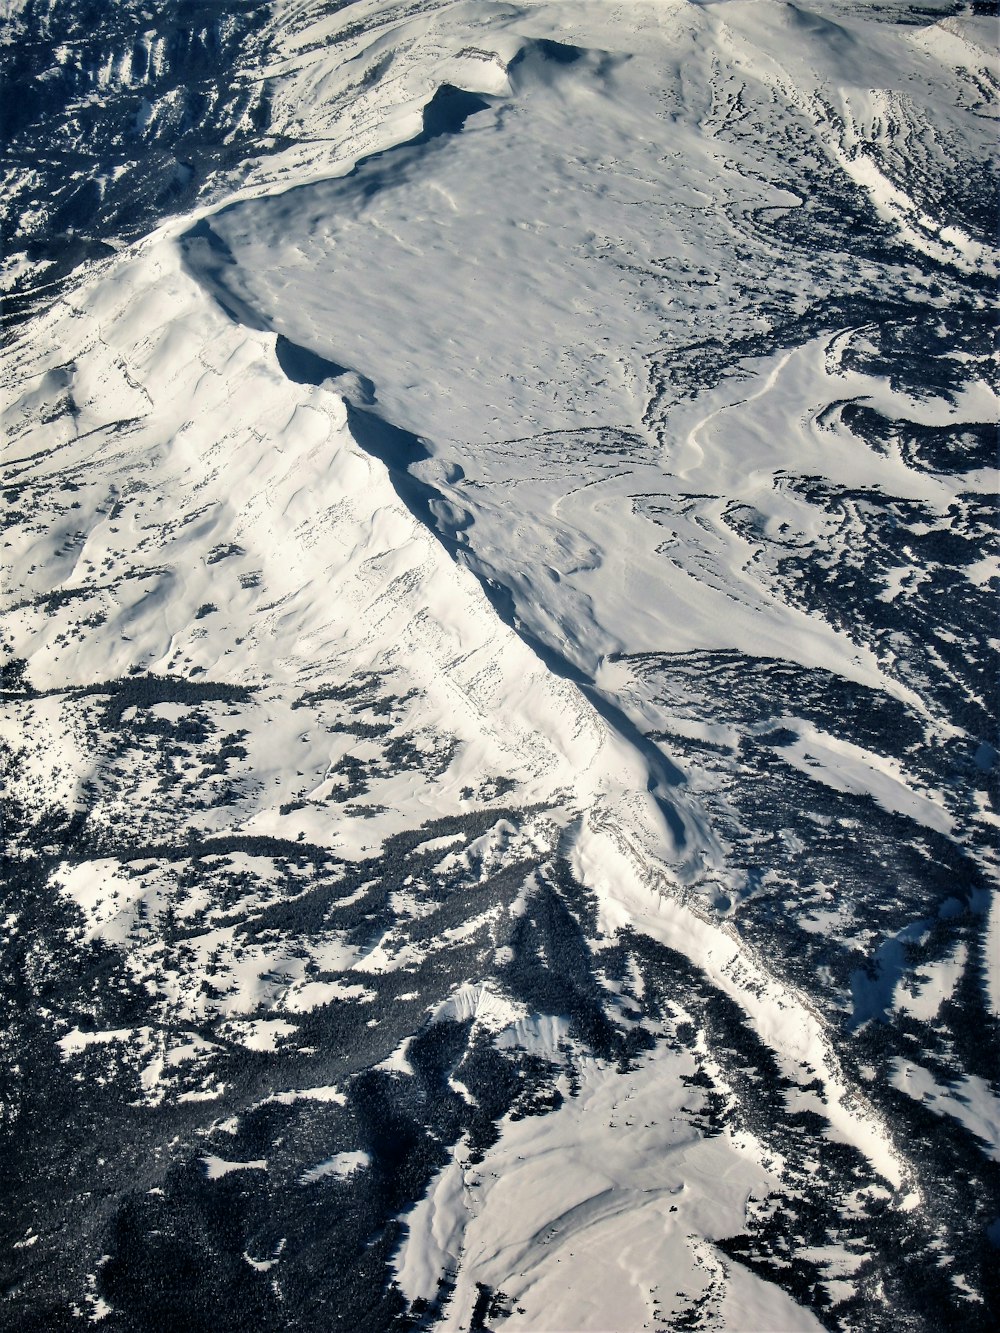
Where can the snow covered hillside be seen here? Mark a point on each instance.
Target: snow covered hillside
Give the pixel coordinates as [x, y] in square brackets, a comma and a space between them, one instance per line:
[500, 666]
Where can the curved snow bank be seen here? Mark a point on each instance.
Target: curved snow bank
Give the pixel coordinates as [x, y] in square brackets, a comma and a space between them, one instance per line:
[599, 1215]
[283, 505]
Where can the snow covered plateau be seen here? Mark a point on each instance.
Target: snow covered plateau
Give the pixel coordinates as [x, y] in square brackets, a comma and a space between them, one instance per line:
[500, 666]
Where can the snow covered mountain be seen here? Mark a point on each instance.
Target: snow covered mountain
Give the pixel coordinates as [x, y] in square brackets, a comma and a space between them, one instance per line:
[500, 666]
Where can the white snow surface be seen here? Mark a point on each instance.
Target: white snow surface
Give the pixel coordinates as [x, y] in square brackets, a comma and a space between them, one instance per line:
[341, 1165]
[501, 287]
[599, 1215]
[970, 1100]
[217, 1167]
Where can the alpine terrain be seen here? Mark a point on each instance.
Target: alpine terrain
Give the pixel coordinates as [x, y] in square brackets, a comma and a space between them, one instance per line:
[500, 641]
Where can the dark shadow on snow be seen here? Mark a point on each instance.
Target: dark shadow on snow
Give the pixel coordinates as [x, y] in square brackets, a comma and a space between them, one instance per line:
[208, 257]
[447, 112]
[302, 366]
[399, 449]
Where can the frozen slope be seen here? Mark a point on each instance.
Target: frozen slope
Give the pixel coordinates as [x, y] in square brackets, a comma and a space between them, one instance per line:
[500, 703]
[439, 784]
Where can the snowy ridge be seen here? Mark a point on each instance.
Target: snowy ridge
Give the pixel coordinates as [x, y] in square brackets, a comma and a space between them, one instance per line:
[499, 690]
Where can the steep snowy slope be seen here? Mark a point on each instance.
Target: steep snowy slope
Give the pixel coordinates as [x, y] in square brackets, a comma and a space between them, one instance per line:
[500, 687]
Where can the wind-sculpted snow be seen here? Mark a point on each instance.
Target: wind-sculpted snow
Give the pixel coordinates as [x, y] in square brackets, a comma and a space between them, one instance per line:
[501, 665]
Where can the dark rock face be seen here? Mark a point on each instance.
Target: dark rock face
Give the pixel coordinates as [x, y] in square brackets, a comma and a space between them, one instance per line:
[116, 116]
